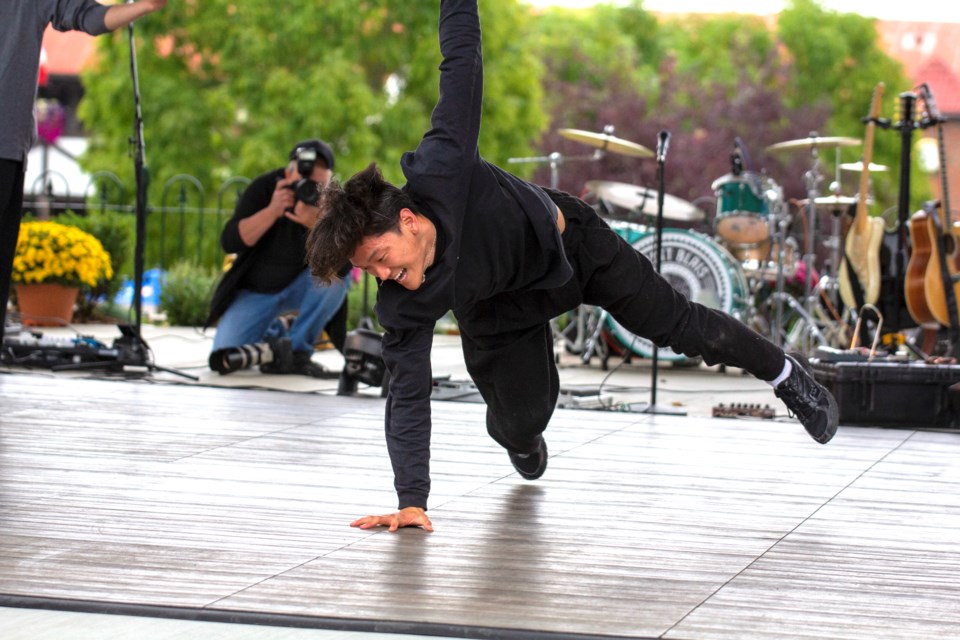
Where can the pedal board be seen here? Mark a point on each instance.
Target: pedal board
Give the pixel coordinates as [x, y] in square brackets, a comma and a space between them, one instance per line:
[743, 410]
[33, 349]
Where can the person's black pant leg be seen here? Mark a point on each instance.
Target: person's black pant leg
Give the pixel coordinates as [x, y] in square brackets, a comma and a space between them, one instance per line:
[11, 210]
[516, 374]
[615, 276]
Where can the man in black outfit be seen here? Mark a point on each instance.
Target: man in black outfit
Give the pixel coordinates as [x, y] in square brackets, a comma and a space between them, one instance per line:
[506, 256]
[269, 276]
[22, 24]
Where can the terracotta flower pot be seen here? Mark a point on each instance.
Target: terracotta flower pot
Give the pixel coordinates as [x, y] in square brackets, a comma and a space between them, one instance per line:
[46, 304]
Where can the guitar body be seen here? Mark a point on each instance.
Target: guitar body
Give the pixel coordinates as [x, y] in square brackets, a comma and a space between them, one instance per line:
[915, 280]
[862, 254]
[933, 284]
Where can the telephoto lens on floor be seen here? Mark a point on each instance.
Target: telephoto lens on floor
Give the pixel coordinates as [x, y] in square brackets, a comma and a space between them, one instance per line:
[231, 359]
[364, 363]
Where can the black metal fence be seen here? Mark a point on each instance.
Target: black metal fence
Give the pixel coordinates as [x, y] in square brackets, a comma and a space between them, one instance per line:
[183, 224]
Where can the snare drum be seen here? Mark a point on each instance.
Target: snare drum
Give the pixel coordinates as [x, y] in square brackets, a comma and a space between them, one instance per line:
[741, 216]
[696, 266]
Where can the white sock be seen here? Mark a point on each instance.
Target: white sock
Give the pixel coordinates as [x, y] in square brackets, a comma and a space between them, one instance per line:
[787, 368]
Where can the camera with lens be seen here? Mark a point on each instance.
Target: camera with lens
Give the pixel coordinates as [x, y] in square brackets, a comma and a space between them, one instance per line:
[306, 190]
[275, 350]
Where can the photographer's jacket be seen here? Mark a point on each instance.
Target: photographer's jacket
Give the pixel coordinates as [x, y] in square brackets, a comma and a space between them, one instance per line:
[269, 265]
[495, 233]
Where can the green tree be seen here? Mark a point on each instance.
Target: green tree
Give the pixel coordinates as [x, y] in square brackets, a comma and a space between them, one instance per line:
[838, 62]
[227, 87]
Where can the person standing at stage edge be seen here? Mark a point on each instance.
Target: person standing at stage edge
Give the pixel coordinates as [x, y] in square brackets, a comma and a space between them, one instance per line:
[22, 23]
[506, 256]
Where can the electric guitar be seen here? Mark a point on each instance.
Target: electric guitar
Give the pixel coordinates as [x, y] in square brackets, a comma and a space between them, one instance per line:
[861, 257]
[942, 270]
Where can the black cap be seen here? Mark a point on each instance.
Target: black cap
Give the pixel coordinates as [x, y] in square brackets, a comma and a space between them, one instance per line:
[322, 148]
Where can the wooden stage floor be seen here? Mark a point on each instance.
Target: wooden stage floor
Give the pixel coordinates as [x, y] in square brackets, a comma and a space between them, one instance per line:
[231, 505]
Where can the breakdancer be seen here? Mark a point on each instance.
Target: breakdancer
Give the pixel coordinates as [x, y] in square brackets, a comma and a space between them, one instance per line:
[506, 256]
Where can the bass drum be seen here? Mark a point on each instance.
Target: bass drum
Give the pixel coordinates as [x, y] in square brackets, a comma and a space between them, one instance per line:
[695, 265]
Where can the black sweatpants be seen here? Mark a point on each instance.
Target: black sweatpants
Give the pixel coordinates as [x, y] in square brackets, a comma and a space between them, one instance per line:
[11, 210]
[508, 343]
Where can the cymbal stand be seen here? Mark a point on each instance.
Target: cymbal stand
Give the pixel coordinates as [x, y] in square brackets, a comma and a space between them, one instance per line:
[780, 220]
[555, 160]
[580, 343]
[812, 179]
[835, 240]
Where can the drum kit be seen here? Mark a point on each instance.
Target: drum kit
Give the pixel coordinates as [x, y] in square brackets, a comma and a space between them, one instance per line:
[739, 262]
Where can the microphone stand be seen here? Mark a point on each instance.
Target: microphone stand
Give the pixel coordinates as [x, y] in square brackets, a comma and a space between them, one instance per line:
[663, 143]
[131, 349]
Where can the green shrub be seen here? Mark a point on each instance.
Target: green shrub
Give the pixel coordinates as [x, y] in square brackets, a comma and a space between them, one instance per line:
[185, 293]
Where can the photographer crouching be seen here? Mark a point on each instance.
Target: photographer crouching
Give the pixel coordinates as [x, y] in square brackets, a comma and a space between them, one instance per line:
[269, 276]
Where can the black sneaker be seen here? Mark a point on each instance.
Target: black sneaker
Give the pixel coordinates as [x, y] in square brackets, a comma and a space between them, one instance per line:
[300, 364]
[316, 370]
[531, 465]
[809, 401]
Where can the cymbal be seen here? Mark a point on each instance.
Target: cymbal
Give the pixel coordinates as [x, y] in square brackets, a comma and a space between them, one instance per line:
[813, 142]
[858, 166]
[607, 142]
[834, 201]
[644, 201]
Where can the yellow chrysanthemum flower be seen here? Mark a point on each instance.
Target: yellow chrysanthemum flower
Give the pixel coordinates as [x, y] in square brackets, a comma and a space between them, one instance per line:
[52, 252]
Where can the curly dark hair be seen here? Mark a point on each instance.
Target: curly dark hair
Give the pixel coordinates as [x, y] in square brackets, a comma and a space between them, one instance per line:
[366, 205]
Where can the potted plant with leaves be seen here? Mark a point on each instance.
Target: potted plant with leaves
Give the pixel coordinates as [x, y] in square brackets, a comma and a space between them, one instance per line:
[52, 262]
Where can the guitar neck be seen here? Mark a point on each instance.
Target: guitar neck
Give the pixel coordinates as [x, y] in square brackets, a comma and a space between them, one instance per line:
[944, 182]
[861, 217]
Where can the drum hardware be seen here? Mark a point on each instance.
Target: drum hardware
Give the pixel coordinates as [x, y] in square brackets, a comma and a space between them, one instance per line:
[643, 201]
[804, 328]
[582, 334]
[813, 142]
[855, 353]
[606, 141]
[836, 202]
[555, 160]
[858, 166]
[812, 179]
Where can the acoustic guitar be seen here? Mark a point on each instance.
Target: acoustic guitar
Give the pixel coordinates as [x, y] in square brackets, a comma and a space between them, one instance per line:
[914, 285]
[942, 269]
[861, 259]
[920, 251]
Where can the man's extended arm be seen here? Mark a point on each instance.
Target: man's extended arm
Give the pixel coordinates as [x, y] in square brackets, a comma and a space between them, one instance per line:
[120, 15]
[455, 123]
[408, 426]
